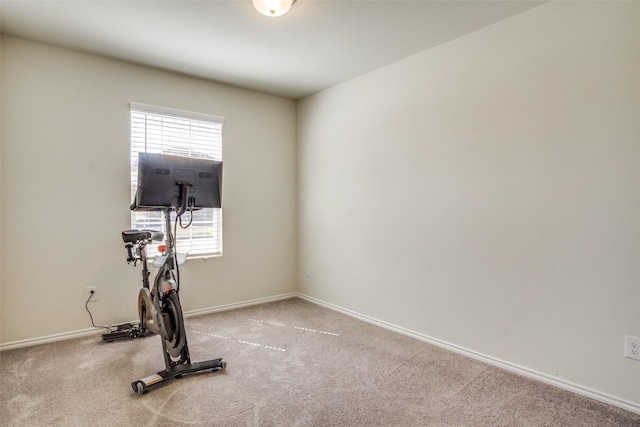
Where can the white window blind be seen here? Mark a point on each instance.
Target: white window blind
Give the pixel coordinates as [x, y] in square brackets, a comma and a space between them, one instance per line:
[178, 133]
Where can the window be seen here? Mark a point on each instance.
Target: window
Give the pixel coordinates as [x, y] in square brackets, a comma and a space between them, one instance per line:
[178, 133]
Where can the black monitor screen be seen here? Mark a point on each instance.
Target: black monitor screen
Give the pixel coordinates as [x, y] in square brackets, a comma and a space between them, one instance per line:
[160, 176]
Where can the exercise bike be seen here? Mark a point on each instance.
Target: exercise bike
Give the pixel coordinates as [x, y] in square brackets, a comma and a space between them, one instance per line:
[159, 306]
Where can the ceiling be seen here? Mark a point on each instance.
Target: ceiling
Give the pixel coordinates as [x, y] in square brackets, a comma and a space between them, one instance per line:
[318, 44]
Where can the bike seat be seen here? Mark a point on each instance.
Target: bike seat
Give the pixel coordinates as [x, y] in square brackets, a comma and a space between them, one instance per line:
[133, 236]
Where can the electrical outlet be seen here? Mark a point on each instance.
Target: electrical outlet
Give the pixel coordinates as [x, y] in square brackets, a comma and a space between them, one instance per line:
[308, 271]
[632, 347]
[90, 296]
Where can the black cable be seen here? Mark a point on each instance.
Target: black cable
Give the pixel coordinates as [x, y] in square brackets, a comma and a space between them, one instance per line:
[86, 306]
[190, 219]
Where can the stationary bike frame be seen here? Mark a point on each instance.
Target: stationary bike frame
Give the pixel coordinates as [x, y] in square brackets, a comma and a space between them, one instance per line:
[159, 306]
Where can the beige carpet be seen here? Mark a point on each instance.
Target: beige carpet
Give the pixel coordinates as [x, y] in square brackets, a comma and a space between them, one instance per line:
[290, 363]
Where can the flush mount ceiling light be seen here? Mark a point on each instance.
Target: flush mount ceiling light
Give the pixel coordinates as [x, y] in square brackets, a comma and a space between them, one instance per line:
[273, 7]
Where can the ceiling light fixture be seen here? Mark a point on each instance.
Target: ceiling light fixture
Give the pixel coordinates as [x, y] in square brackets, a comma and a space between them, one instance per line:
[273, 7]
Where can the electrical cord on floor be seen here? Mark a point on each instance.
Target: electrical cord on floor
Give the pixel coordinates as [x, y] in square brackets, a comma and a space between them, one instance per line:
[86, 306]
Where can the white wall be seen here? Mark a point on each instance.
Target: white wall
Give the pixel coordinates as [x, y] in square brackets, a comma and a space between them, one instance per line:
[486, 193]
[0, 189]
[65, 189]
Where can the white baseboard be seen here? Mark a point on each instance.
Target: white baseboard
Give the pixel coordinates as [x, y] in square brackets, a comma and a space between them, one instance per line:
[530, 373]
[50, 338]
[94, 331]
[242, 304]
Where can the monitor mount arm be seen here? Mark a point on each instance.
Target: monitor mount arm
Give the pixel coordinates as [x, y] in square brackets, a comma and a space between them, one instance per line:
[184, 197]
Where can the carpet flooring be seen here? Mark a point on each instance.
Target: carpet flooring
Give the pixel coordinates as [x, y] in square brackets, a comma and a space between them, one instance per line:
[290, 363]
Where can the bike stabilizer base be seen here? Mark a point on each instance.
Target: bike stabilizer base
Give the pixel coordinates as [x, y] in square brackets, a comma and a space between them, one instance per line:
[142, 386]
[127, 331]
